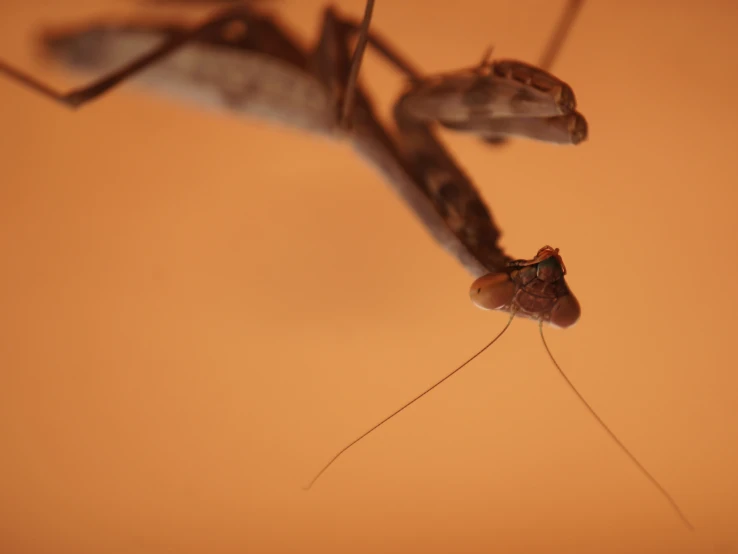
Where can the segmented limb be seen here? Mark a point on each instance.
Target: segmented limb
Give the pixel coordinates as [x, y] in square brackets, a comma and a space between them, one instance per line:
[263, 72]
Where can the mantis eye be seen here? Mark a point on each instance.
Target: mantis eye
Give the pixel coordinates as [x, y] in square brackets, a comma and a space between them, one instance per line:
[566, 312]
[492, 291]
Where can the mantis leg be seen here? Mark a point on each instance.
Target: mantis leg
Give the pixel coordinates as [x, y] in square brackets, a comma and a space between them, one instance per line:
[272, 67]
[80, 96]
[330, 62]
[569, 129]
[437, 177]
[266, 34]
[441, 91]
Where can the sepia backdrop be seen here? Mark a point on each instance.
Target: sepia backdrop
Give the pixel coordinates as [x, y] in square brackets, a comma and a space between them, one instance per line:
[197, 311]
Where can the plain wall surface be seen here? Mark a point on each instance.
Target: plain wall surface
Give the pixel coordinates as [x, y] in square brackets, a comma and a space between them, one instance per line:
[197, 311]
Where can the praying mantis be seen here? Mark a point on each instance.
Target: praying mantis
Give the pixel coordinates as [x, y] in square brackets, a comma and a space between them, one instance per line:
[245, 62]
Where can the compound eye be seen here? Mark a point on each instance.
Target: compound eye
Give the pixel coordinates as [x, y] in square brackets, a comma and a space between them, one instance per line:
[492, 291]
[566, 312]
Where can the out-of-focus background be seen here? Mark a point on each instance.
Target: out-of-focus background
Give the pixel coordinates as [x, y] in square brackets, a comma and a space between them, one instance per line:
[197, 311]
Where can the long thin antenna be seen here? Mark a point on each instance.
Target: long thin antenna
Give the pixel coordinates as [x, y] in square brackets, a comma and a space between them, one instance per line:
[638, 464]
[393, 414]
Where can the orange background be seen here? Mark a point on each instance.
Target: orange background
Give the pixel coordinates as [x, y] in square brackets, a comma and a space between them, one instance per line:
[198, 311]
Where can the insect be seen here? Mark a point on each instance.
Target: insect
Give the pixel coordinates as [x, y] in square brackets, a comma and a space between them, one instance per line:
[243, 61]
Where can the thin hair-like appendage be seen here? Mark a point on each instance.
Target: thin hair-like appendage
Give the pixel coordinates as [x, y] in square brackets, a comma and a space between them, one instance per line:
[638, 464]
[562, 29]
[358, 57]
[393, 414]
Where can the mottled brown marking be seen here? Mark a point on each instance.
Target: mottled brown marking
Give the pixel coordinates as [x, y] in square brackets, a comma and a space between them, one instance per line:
[476, 209]
[532, 76]
[522, 96]
[449, 192]
[482, 93]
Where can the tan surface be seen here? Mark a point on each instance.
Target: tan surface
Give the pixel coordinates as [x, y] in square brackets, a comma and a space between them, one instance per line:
[197, 312]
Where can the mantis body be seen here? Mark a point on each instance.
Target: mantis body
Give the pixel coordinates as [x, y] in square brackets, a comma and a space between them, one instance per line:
[245, 62]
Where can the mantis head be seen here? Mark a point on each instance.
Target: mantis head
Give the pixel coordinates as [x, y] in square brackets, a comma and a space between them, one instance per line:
[534, 289]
